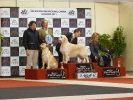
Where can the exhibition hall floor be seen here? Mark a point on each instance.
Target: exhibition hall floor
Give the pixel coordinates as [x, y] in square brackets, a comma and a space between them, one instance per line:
[119, 88]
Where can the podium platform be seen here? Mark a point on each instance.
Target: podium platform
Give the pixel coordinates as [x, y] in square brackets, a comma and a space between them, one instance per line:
[121, 70]
[70, 71]
[39, 74]
[35, 74]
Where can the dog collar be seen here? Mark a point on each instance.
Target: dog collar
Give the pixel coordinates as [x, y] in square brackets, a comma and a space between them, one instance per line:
[46, 53]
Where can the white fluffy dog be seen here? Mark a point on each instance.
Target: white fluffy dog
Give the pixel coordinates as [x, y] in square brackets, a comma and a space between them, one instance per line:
[47, 57]
[69, 50]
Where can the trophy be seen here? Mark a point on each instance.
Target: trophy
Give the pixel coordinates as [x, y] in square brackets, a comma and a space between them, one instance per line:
[48, 39]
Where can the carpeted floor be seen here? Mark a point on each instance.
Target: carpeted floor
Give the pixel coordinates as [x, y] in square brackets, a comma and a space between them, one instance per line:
[15, 83]
[56, 90]
[111, 80]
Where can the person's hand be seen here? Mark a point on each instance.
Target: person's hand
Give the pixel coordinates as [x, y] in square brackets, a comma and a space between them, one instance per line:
[72, 38]
[96, 58]
[27, 52]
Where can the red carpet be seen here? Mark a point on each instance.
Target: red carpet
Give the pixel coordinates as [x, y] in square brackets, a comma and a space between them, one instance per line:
[127, 98]
[111, 80]
[14, 83]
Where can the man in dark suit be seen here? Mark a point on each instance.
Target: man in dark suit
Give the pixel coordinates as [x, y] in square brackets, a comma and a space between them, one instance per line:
[72, 38]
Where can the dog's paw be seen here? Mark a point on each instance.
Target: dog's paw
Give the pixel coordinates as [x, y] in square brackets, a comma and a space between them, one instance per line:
[42, 68]
[48, 67]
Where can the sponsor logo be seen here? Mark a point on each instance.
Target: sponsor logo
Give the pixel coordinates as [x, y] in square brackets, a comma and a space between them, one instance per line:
[49, 22]
[71, 12]
[5, 12]
[81, 14]
[22, 61]
[14, 61]
[73, 23]
[5, 71]
[5, 22]
[64, 31]
[14, 12]
[5, 32]
[111, 72]
[5, 62]
[88, 23]
[57, 32]
[14, 71]
[81, 41]
[87, 75]
[88, 32]
[81, 23]
[56, 74]
[5, 42]
[5, 51]
[82, 30]
[22, 71]
[23, 22]
[57, 22]
[14, 32]
[22, 51]
[14, 22]
[65, 22]
[21, 32]
[38, 21]
[83, 67]
[24, 12]
[88, 14]
[14, 51]
[14, 41]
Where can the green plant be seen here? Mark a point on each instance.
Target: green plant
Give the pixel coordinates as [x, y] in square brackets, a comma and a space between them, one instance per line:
[119, 42]
[1, 38]
[106, 42]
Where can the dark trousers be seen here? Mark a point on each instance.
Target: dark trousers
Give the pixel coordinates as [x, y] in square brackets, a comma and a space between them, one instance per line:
[94, 60]
[60, 56]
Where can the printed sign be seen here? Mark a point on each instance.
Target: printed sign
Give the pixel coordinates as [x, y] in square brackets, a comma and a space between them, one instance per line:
[83, 67]
[111, 72]
[87, 75]
[56, 74]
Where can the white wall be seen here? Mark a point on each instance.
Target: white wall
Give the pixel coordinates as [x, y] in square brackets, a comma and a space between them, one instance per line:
[105, 16]
[126, 20]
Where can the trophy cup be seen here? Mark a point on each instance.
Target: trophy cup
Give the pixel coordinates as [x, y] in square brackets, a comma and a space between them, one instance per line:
[48, 39]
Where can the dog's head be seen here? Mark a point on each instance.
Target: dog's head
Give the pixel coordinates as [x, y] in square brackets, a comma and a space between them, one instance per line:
[63, 39]
[44, 45]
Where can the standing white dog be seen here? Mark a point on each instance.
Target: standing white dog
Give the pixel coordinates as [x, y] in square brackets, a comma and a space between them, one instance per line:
[47, 57]
[69, 50]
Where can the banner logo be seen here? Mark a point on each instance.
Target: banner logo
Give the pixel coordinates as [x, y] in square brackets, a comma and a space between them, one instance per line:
[64, 31]
[5, 42]
[5, 22]
[6, 61]
[24, 12]
[14, 12]
[5, 12]
[14, 51]
[14, 32]
[71, 12]
[23, 22]
[73, 22]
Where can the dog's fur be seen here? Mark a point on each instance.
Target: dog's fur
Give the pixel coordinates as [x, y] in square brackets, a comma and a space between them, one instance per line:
[47, 57]
[69, 50]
